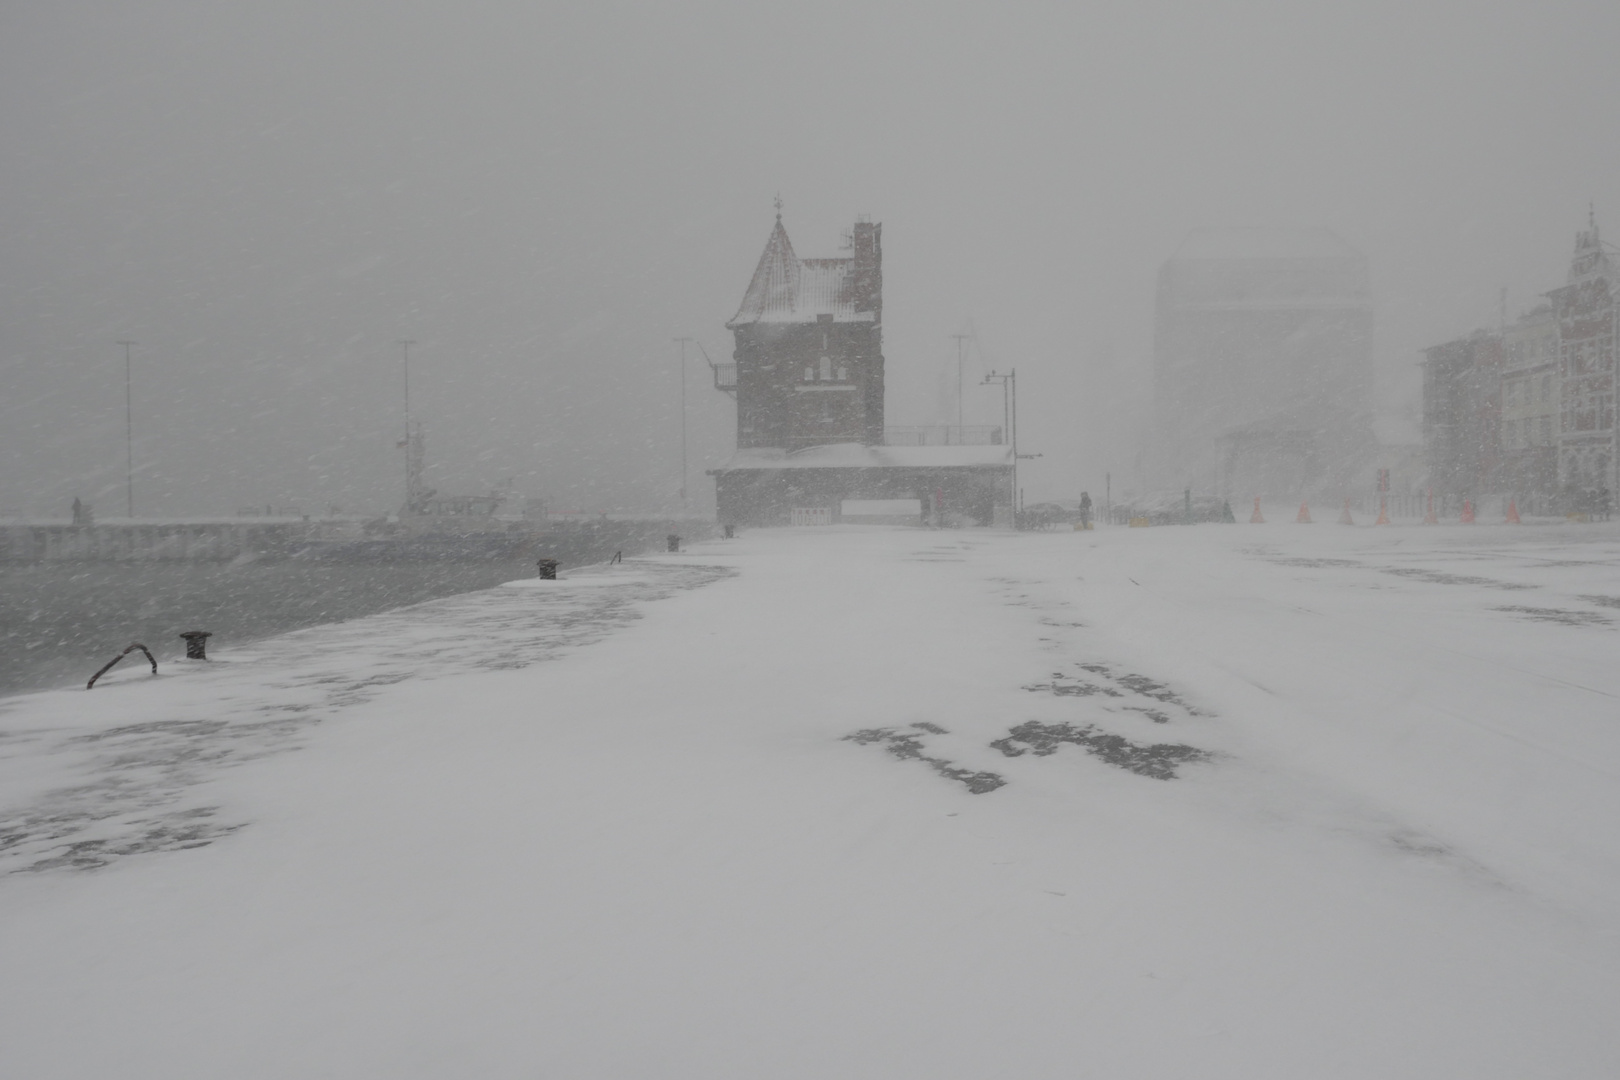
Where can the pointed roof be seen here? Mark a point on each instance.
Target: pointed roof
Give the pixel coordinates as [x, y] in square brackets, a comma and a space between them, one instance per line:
[1590, 260]
[788, 289]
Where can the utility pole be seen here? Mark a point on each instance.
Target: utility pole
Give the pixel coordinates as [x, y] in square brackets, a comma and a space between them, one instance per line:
[683, 341]
[129, 435]
[959, 339]
[405, 346]
[1009, 410]
[1009, 419]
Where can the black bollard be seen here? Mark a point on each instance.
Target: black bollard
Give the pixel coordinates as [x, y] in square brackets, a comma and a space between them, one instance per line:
[674, 542]
[196, 641]
[548, 569]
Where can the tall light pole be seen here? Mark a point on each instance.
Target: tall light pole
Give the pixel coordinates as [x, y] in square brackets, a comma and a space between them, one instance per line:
[1009, 412]
[683, 341]
[959, 339]
[405, 367]
[129, 435]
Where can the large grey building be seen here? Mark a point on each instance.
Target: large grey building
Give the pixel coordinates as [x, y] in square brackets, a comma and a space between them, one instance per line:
[1263, 350]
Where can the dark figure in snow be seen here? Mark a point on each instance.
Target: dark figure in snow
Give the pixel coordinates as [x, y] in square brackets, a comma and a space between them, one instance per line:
[1085, 509]
[1603, 503]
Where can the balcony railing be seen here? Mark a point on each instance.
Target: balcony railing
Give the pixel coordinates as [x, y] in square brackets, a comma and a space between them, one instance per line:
[725, 377]
[943, 435]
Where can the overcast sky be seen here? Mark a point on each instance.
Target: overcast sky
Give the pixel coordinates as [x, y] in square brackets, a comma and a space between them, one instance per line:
[268, 196]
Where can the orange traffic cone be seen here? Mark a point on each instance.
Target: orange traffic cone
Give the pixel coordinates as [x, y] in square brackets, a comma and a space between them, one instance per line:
[1429, 518]
[1383, 512]
[1513, 513]
[1468, 513]
[1304, 515]
[1256, 518]
[1345, 518]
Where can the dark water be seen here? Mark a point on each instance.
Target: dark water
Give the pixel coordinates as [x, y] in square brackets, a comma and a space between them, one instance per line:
[60, 621]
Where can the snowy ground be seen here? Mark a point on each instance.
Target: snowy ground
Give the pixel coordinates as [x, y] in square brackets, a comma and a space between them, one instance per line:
[1221, 801]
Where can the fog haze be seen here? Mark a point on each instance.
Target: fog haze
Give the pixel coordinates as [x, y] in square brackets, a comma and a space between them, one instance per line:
[267, 198]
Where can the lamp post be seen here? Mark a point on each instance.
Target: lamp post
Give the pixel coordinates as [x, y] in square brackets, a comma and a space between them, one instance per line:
[1009, 413]
[959, 339]
[405, 368]
[129, 435]
[683, 341]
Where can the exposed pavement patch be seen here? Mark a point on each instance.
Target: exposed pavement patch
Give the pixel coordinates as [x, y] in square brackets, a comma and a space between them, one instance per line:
[1441, 578]
[1557, 615]
[1157, 760]
[908, 746]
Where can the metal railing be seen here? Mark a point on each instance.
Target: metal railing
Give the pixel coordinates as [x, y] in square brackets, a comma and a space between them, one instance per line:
[943, 435]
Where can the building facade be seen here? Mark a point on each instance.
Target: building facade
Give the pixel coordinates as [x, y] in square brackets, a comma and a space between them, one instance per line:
[1530, 397]
[1262, 351]
[1462, 415]
[808, 379]
[1585, 310]
[809, 346]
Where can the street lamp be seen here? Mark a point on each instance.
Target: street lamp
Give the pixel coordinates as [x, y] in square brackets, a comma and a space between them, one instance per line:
[959, 339]
[129, 435]
[1009, 416]
[410, 479]
[683, 341]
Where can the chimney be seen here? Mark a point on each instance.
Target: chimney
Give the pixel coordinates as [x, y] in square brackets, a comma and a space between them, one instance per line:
[867, 240]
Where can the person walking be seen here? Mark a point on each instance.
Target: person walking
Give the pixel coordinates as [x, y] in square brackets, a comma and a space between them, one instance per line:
[1085, 510]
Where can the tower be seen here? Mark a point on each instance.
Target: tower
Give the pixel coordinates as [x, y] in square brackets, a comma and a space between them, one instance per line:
[809, 337]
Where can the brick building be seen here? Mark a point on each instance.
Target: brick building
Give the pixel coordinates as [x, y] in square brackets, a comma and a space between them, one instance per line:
[809, 349]
[808, 379]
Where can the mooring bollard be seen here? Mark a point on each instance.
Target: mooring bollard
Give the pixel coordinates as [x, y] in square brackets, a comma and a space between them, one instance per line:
[674, 542]
[548, 569]
[196, 641]
[731, 532]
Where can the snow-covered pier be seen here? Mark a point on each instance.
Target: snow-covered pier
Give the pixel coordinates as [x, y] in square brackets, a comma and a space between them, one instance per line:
[1216, 801]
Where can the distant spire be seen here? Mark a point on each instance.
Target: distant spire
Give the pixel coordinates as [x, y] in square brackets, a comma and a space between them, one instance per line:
[778, 206]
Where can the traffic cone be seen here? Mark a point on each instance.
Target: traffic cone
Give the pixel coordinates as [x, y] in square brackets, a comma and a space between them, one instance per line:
[1304, 515]
[1513, 513]
[1383, 511]
[1468, 513]
[1345, 518]
[1429, 518]
[1256, 518]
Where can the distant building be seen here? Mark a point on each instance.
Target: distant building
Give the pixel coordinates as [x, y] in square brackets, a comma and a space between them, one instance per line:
[808, 379]
[1462, 415]
[1586, 310]
[1529, 410]
[1530, 396]
[1262, 349]
[810, 346]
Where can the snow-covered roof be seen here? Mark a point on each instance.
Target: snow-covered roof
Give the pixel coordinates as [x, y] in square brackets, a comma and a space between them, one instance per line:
[1263, 243]
[857, 456]
[788, 289]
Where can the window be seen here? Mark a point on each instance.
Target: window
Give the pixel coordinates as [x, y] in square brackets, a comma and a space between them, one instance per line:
[843, 373]
[826, 369]
[810, 374]
[1546, 388]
